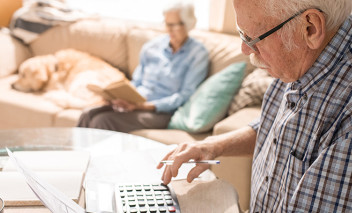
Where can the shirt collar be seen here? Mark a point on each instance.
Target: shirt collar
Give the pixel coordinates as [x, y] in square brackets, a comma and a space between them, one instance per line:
[337, 48]
[168, 48]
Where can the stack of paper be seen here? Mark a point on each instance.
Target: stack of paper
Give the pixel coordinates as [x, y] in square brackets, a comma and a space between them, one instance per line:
[64, 170]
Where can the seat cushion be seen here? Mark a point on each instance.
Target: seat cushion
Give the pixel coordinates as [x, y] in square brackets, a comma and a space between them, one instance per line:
[19, 110]
[67, 118]
[170, 136]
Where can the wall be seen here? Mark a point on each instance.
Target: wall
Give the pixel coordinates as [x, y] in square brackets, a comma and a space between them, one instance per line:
[222, 16]
[7, 8]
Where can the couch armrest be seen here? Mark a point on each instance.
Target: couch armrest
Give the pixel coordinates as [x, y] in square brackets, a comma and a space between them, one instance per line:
[237, 120]
[169, 136]
[12, 53]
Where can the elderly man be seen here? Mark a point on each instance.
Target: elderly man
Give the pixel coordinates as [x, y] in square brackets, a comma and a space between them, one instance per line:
[302, 145]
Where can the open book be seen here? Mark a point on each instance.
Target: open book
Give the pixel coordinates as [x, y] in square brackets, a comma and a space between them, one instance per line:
[118, 90]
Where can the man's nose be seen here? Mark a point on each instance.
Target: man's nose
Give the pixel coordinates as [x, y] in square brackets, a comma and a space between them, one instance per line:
[246, 49]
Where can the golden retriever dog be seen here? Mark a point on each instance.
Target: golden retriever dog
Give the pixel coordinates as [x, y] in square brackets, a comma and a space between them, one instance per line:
[63, 77]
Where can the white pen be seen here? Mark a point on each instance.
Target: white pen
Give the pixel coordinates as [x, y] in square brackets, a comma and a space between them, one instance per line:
[170, 162]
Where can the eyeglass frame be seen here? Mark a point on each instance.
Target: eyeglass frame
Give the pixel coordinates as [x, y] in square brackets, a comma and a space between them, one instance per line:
[251, 42]
[174, 25]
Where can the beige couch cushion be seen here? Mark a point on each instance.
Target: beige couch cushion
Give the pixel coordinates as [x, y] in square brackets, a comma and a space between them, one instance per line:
[169, 136]
[67, 118]
[12, 53]
[20, 109]
[104, 38]
[223, 50]
[237, 120]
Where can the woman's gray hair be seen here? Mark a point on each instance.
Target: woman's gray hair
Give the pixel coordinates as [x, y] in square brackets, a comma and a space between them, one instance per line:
[186, 11]
[335, 12]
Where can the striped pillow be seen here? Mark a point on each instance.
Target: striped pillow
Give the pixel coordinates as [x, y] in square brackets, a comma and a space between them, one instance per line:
[252, 90]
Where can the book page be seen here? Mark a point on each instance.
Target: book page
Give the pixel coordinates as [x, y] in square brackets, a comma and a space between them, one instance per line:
[126, 91]
[16, 192]
[100, 91]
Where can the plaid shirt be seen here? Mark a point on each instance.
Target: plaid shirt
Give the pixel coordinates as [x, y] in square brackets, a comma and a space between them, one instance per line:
[303, 156]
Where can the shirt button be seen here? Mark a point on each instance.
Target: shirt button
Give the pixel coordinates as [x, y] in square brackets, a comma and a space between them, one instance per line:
[292, 105]
[305, 96]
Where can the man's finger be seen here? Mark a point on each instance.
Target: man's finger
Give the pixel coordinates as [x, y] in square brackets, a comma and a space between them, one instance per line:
[196, 171]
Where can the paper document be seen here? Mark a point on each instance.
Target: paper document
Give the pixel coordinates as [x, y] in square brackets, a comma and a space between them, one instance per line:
[52, 198]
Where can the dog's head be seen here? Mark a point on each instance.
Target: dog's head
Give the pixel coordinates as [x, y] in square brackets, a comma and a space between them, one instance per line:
[34, 73]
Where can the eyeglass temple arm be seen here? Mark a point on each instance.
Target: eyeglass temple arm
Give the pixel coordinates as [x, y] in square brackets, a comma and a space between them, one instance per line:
[277, 27]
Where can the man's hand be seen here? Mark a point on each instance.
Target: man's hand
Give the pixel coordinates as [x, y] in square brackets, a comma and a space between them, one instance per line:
[185, 152]
[121, 105]
[236, 143]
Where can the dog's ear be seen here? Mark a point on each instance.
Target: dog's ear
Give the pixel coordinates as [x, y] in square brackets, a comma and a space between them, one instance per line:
[52, 65]
[43, 74]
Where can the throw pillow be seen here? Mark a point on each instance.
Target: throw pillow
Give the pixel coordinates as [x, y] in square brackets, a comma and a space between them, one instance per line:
[252, 90]
[210, 102]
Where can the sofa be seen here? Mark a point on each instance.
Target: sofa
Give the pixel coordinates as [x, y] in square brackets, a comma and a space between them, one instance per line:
[119, 42]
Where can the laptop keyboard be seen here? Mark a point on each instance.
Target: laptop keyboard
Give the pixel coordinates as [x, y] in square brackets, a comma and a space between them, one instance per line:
[145, 198]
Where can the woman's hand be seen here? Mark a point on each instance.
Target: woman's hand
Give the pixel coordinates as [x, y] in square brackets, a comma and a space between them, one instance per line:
[121, 105]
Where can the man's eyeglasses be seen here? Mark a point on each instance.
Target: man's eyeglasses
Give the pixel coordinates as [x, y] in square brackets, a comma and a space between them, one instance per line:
[174, 25]
[251, 42]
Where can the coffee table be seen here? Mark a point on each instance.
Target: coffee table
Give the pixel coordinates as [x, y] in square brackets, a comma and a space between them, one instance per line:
[219, 195]
[37, 139]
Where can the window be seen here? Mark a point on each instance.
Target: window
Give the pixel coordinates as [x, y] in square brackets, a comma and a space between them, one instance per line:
[147, 11]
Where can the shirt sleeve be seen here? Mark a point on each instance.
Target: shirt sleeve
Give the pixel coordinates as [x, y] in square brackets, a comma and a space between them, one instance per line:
[255, 124]
[327, 183]
[194, 76]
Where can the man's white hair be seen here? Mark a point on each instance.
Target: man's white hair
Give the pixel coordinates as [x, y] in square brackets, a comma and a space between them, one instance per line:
[186, 11]
[335, 12]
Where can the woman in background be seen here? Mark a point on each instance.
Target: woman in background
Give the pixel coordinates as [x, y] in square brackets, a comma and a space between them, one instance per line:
[171, 68]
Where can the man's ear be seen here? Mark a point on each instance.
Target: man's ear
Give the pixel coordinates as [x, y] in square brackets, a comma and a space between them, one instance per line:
[314, 31]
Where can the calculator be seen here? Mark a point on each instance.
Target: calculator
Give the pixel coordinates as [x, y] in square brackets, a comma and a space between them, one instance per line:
[145, 198]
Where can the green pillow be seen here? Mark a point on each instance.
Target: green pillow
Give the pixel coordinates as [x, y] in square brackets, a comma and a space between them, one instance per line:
[210, 102]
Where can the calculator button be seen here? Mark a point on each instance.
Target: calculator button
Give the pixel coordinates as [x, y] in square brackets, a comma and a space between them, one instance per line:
[159, 197]
[151, 203]
[153, 209]
[172, 209]
[139, 193]
[143, 210]
[162, 209]
[160, 202]
[132, 204]
[160, 188]
[169, 202]
[168, 197]
[133, 210]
